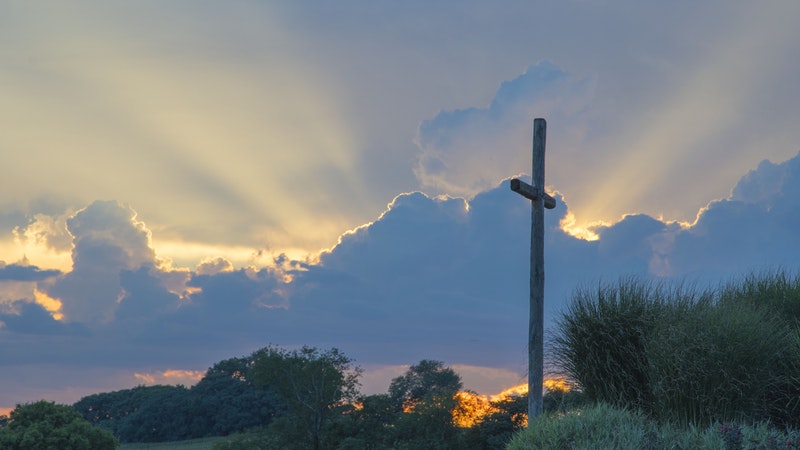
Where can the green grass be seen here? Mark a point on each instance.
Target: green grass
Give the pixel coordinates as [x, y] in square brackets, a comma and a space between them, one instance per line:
[687, 356]
[193, 444]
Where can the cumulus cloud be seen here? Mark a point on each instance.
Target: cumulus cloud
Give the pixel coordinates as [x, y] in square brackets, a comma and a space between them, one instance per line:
[107, 239]
[211, 266]
[432, 277]
[32, 318]
[465, 151]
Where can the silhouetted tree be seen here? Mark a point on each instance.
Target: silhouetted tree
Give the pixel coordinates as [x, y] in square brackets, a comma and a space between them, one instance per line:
[427, 396]
[230, 401]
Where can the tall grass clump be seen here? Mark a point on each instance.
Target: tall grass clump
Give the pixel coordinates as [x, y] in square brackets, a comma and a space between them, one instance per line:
[731, 361]
[600, 340]
[687, 356]
[777, 291]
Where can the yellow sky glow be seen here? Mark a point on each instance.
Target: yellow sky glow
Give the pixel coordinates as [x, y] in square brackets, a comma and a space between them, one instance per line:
[52, 305]
[170, 376]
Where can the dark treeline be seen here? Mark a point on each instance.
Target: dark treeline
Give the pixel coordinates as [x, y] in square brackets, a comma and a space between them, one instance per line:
[225, 400]
[309, 399]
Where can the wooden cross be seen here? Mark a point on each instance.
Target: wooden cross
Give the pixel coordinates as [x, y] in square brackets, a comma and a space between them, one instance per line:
[539, 200]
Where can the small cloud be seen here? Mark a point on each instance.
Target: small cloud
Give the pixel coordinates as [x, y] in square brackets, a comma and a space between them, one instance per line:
[21, 272]
[45, 230]
[213, 266]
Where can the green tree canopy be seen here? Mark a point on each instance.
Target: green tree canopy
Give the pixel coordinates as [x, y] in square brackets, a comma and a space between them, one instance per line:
[427, 394]
[429, 380]
[311, 381]
[45, 425]
[224, 401]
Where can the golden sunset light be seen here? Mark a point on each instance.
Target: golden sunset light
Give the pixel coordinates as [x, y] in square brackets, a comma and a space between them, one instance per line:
[52, 305]
[170, 376]
[569, 225]
[186, 188]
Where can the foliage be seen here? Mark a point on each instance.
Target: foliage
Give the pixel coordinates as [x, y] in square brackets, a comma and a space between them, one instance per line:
[562, 399]
[48, 426]
[600, 426]
[312, 383]
[605, 426]
[230, 400]
[427, 395]
[143, 414]
[426, 381]
[601, 338]
[689, 356]
[510, 415]
[723, 362]
[224, 401]
[776, 291]
[370, 426]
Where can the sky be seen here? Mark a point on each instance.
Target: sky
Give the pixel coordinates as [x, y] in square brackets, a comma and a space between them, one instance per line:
[189, 181]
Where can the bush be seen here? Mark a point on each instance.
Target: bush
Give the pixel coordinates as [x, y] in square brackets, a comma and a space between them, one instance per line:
[46, 425]
[600, 340]
[604, 426]
[694, 357]
[599, 426]
[728, 361]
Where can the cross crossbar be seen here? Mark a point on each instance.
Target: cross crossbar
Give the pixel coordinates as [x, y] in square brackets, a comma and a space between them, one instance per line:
[532, 193]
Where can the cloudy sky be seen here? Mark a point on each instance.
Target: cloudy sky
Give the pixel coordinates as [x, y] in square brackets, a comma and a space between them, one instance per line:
[185, 182]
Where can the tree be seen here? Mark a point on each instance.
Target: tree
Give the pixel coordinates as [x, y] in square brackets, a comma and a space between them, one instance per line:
[312, 382]
[370, 425]
[510, 415]
[230, 401]
[144, 413]
[427, 395]
[46, 425]
[428, 380]
[224, 401]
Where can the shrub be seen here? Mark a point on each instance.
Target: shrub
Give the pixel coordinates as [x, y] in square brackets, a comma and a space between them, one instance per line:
[687, 356]
[593, 427]
[600, 340]
[725, 361]
[776, 291]
[46, 425]
[605, 426]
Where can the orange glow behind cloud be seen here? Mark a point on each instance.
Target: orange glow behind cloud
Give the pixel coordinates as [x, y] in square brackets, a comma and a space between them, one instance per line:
[170, 376]
[52, 305]
[569, 225]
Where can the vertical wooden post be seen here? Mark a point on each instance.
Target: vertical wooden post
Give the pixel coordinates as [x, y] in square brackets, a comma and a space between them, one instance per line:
[536, 324]
[539, 201]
